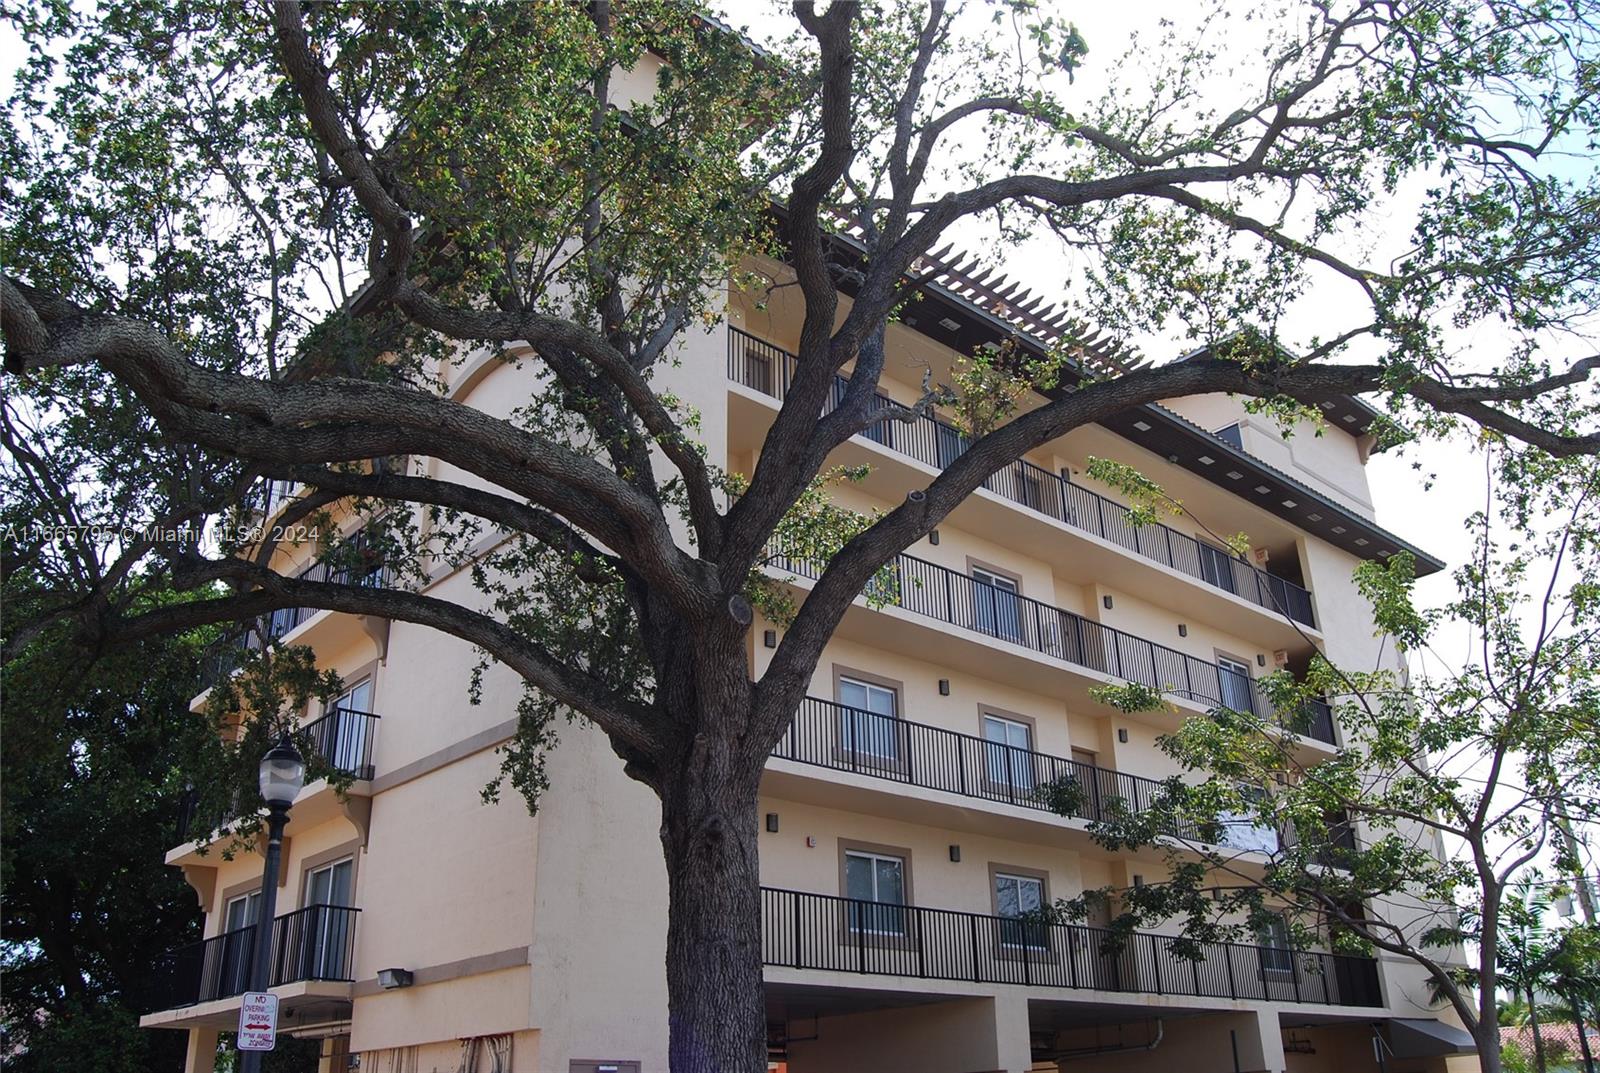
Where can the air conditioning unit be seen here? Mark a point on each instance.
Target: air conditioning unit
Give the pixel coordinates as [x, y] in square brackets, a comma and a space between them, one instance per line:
[1259, 555]
[1280, 659]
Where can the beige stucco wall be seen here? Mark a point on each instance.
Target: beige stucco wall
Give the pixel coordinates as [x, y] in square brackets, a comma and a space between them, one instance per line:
[1331, 462]
[963, 1035]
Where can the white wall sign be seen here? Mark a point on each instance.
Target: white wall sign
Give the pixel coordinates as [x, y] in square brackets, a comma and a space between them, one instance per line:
[258, 1021]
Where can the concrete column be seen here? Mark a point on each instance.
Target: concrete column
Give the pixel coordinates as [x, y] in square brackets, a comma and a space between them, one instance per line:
[1259, 1038]
[1013, 1034]
[201, 1057]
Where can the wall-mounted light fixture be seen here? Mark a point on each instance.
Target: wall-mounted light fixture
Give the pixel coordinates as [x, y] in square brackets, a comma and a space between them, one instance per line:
[1261, 659]
[933, 537]
[769, 638]
[944, 687]
[1122, 735]
[955, 854]
[1106, 600]
[772, 822]
[1138, 880]
[1183, 630]
[389, 979]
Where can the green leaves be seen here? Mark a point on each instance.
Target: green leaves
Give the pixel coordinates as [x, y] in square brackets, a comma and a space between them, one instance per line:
[1446, 784]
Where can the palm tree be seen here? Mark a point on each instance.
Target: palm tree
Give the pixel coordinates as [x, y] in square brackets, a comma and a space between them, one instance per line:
[1524, 952]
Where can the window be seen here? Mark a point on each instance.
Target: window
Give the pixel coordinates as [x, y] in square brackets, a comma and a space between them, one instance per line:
[326, 928]
[1015, 897]
[330, 884]
[1276, 956]
[1242, 830]
[871, 722]
[1235, 681]
[951, 444]
[1009, 749]
[237, 944]
[876, 885]
[996, 605]
[342, 738]
[1231, 435]
[243, 911]
[1216, 567]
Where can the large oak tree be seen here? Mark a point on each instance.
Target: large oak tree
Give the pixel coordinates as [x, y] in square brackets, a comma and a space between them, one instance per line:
[238, 236]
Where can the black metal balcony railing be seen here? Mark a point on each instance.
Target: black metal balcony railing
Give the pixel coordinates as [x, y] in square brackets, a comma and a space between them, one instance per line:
[359, 564]
[343, 739]
[819, 931]
[224, 656]
[191, 824]
[268, 495]
[940, 593]
[837, 736]
[765, 368]
[314, 943]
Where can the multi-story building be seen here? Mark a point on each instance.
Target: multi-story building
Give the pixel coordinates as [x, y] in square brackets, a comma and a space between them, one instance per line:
[905, 839]
[905, 843]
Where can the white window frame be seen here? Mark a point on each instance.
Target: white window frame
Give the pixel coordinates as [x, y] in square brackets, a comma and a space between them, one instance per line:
[874, 857]
[883, 727]
[351, 730]
[1019, 880]
[1003, 753]
[999, 583]
[245, 899]
[1239, 668]
[1276, 960]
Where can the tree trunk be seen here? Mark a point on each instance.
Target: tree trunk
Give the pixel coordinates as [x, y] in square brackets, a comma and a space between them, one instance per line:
[1578, 1014]
[1487, 1037]
[1538, 1037]
[716, 1009]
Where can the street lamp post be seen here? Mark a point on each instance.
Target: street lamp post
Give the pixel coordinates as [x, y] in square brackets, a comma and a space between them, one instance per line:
[283, 772]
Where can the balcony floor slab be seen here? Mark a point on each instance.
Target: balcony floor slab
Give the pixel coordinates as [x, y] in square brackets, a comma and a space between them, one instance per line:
[303, 1002]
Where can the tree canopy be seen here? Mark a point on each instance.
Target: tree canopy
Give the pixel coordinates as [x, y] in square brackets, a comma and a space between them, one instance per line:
[243, 240]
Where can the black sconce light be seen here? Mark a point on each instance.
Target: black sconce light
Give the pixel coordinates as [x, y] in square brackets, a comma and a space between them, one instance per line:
[769, 638]
[390, 979]
[1106, 600]
[772, 822]
[944, 687]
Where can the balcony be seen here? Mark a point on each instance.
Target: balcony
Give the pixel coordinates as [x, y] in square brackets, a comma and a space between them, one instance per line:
[939, 593]
[316, 943]
[342, 739]
[367, 570]
[800, 930]
[842, 738]
[764, 368]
